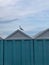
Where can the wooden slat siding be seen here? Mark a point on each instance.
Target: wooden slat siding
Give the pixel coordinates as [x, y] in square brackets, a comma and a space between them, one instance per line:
[24, 52]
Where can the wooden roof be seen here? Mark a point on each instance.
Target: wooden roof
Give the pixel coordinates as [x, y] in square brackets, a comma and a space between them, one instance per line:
[42, 35]
[18, 34]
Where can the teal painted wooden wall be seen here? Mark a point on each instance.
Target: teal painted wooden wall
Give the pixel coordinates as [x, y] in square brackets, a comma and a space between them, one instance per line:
[24, 52]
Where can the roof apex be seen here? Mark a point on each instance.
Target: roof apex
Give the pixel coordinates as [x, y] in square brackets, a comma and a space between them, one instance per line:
[1, 38]
[20, 31]
[40, 33]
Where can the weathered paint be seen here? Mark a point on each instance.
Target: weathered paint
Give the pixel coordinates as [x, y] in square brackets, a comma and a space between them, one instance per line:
[24, 52]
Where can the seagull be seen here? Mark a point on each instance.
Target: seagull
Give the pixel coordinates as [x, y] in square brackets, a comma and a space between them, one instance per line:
[20, 27]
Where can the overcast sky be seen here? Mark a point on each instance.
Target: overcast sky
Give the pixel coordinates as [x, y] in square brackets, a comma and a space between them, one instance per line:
[32, 15]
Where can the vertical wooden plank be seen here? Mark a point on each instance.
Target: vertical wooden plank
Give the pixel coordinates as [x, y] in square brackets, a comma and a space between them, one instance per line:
[8, 52]
[32, 52]
[38, 52]
[27, 52]
[17, 52]
[46, 52]
[1, 52]
[20, 51]
[23, 52]
[15, 62]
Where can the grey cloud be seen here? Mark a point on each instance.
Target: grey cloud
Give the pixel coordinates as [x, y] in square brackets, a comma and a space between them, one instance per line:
[8, 21]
